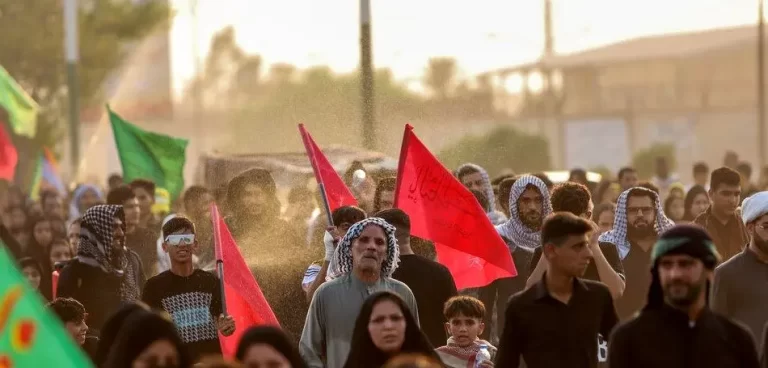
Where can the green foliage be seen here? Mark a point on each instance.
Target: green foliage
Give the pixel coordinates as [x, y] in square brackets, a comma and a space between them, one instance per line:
[644, 160]
[502, 148]
[33, 50]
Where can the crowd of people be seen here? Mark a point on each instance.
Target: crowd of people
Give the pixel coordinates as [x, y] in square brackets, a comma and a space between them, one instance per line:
[620, 273]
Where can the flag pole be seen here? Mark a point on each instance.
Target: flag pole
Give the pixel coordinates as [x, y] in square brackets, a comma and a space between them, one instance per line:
[215, 217]
[318, 179]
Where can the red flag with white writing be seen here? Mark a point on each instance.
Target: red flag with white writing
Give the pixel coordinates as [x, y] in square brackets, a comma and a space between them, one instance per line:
[335, 190]
[444, 211]
[242, 295]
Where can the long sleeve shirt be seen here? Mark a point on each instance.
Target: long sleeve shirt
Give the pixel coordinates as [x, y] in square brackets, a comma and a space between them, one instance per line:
[740, 291]
[327, 335]
[665, 337]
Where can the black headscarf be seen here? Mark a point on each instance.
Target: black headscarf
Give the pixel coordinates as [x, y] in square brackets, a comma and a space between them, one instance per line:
[364, 354]
[141, 329]
[95, 249]
[691, 240]
[273, 337]
[112, 328]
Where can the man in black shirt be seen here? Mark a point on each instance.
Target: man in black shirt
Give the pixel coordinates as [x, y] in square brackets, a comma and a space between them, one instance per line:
[191, 296]
[431, 283]
[676, 328]
[638, 221]
[605, 266]
[556, 322]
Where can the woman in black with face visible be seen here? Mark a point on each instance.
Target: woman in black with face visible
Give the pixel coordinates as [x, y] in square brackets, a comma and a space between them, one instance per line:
[384, 329]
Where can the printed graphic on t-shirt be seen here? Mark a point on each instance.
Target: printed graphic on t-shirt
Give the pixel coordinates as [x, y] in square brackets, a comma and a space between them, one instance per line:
[191, 314]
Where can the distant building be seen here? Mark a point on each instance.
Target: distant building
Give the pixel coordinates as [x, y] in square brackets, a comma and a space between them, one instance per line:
[695, 89]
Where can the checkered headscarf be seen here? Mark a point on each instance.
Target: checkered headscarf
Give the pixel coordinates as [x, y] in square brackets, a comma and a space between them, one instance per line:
[514, 229]
[496, 217]
[341, 264]
[96, 232]
[618, 235]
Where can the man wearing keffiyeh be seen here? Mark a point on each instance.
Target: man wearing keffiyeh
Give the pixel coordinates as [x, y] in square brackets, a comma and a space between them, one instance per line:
[362, 265]
[637, 224]
[529, 203]
[105, 274]
[475, 177]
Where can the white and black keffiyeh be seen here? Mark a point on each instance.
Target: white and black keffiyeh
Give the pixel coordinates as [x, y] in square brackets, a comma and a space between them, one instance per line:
[341, 264]
[96, 232]
[618, 235]
[514, 229]
[496, 217]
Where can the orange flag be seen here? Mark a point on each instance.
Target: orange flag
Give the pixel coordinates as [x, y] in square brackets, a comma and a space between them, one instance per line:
[444, 211]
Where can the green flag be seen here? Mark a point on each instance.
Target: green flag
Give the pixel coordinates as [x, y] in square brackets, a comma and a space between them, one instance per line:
[30, 335]
[22, 109]
[148, 155]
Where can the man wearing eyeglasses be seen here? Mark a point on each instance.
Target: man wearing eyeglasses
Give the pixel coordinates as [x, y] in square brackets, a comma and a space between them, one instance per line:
[191, 296]
[637, 224]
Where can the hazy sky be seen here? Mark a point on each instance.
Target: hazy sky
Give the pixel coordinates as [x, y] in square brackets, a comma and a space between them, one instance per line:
[480, 34]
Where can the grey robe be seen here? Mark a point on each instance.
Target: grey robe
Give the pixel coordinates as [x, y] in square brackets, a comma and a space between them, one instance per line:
[332, 314]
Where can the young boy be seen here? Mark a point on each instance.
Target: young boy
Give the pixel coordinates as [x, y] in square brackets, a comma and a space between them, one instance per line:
[72, 314]
[465, 323]
[191, 296]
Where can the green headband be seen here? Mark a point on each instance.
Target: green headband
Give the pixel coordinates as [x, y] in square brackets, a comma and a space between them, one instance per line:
[667, 245]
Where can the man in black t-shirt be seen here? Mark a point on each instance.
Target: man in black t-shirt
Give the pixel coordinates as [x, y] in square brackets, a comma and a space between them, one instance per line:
[431, 283]
[191, 296]
[605, 266]
[555, 322]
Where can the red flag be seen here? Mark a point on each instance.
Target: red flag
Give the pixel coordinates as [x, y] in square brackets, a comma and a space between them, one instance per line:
[243, 297]
[9, 157]
[55, 283]
[444, 211]
[335, 190]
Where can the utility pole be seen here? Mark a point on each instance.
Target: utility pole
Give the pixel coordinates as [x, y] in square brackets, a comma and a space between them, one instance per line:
[197, 105]
[366, 76]
[71, 55]
[551, 105]
[760, 85]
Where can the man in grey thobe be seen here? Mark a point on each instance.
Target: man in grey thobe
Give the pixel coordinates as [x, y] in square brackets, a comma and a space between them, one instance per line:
[363, 264]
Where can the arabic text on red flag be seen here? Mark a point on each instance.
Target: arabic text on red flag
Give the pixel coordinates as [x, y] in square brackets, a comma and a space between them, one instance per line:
[444, 211]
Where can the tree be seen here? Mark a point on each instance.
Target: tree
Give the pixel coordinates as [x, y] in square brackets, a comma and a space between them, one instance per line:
[644, 161]
[501, 148]
[33, 51]
[440, 77]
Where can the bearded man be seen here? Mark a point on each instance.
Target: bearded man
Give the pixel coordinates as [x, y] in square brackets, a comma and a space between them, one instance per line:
[676, 328]
[637, 224]
[362, 265]
[740, 289]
